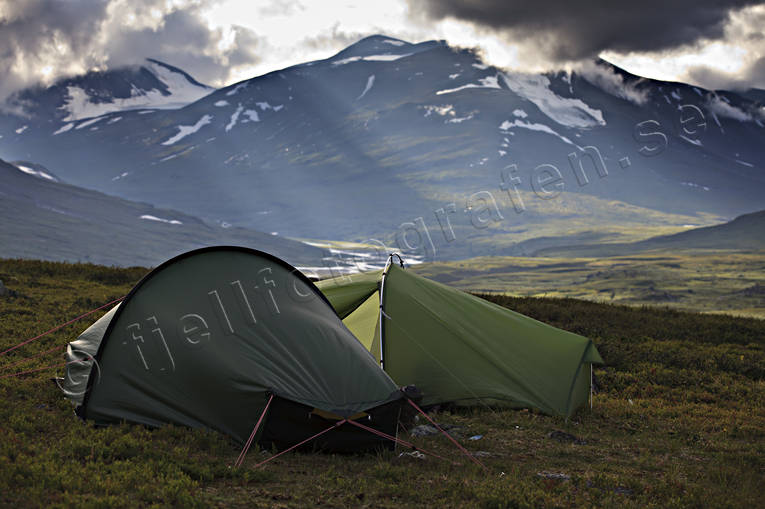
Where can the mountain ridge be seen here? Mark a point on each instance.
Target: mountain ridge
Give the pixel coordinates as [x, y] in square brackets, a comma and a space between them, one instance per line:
[391, 141]
[743, 233]
[49, 220]
[151, 84]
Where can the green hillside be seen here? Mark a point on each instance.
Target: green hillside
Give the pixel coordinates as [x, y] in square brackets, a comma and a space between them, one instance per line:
[746, 232]
[678, 421]
[710, 281]
[44, 219]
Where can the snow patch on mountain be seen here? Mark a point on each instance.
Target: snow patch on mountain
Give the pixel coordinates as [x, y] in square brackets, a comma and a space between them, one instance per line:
[220, 104]
[36, 173]
[266, 106]
[234, 118]
[723, 109]
[448, 111]
[487, 82]
[385, 58]
[64, 128]
[370, 82]
[531, 126]
[237, 88]
[148, 217]
[693, 184]
[563, 110]
[443, 110]
[252, 115]
[370, 58]
[459, 120]
[88, 122]
[180, 92]
[186, 130]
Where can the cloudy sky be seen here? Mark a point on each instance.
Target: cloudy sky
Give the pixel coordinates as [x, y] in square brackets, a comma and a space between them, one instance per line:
[712, 43]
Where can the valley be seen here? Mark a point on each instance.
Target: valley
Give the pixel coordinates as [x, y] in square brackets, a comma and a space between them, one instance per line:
[708, 282]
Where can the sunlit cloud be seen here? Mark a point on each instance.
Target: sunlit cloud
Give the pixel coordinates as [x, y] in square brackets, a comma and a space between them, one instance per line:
[714, 44]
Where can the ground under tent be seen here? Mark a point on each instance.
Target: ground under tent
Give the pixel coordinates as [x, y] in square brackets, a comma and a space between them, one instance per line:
[459, 348]
[217, 338]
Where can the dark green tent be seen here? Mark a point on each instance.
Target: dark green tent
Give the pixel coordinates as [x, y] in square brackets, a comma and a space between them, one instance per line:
[459, 348]
[208, 337]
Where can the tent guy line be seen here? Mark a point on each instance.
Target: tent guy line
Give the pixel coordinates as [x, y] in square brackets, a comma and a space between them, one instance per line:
[54, 329]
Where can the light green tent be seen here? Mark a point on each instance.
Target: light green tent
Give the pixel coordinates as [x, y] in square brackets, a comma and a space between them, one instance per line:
[459, 348]
[208, 337]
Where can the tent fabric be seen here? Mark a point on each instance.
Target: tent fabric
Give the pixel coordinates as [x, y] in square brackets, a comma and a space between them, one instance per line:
[363, 321]
[347, 292]
[79, 355]
[205, 338]
[456, 347]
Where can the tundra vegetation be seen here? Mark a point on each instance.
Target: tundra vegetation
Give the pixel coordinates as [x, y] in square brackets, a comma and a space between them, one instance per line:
[678, 421]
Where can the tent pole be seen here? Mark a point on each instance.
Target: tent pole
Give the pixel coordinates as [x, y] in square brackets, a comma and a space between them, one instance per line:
[382, 312]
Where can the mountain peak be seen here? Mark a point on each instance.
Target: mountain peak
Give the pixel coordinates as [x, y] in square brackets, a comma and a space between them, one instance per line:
[377, 47]
[151, 84]
[177, 70]
[374, 45]
[378, 42]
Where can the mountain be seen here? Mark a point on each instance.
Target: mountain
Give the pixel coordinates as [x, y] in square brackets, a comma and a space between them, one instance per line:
[48, 220]
[744, 233]
[152, 85]
[37, 170]
[411, 143]
[755, 94]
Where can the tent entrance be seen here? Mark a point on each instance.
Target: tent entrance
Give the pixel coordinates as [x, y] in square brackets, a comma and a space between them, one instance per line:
[290, 423]
[363, 322]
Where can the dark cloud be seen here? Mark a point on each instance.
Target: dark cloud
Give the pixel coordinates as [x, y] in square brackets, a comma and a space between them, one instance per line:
[34, 26]
[48, 39]
[565, 30]
[183, 39]
[745, 31]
